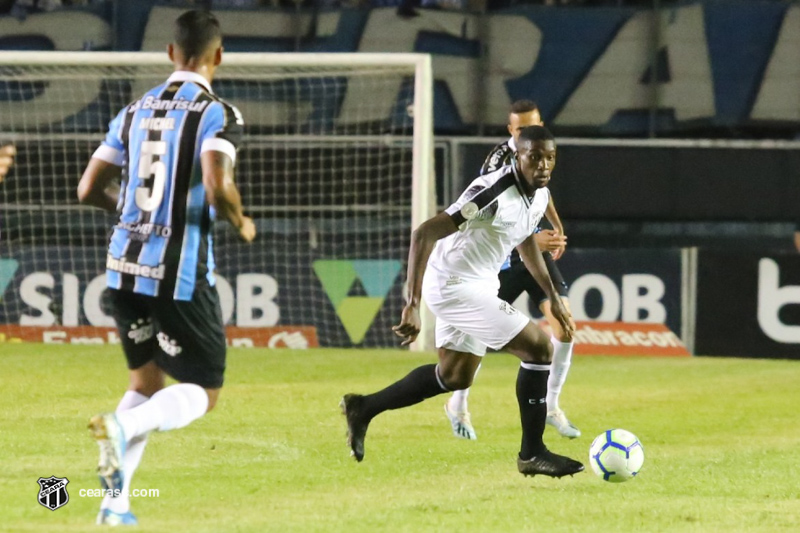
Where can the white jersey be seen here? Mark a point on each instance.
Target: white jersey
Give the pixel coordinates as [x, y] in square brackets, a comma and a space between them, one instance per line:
[493, 215]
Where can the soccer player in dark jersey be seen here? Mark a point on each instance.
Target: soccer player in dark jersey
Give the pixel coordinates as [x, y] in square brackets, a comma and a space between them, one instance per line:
[178, 145]
[515, 279]
[7, 154]
[453, 263]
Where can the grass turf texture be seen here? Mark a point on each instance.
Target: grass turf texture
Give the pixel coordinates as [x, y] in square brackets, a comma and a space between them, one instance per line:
[720, 435]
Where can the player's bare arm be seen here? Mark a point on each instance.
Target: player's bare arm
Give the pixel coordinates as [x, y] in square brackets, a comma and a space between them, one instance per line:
[558, 240]
[423, 240]
[552, 240]
[223, 194]
[532, 257]
[7, 154]
[95, 187]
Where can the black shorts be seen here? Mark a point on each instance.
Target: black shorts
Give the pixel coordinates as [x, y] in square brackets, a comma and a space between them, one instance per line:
[185, 339]
[516, 279]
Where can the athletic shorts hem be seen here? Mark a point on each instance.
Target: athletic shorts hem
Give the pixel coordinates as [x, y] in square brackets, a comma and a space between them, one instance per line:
[185, 339]
[511, 336]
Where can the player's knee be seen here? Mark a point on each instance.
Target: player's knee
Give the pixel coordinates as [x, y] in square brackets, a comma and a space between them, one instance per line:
[147, 380]
[540, 353]
[456, 379]
[144, 391]
[146, 388]
[458, 383]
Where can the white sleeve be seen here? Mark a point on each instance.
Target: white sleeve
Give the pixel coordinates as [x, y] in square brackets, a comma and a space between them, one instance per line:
[459, 209]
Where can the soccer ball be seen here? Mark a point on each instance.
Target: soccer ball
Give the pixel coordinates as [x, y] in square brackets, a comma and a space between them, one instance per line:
[616, 455]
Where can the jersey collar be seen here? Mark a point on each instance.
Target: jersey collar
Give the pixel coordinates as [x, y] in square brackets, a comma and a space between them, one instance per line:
[512, 144]
[185, 75]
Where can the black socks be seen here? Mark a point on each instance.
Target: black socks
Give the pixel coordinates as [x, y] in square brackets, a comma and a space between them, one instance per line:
[531, 395]
[420, 384]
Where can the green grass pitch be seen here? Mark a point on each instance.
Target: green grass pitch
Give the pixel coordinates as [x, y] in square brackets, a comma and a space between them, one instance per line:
[721, 438]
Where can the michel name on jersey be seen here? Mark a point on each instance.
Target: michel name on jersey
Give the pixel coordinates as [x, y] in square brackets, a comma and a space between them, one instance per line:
[145, 271]
[157, 104]
[157, 123]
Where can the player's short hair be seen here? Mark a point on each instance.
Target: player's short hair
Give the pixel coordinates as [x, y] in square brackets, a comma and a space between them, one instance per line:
[536, 133]
[195, 31]
[523, 106]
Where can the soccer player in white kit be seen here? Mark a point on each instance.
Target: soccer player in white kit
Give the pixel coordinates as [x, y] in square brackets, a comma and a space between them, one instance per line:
[515, 279]
[460, 252]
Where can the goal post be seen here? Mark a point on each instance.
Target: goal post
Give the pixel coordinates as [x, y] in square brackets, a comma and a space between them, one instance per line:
[336, 167]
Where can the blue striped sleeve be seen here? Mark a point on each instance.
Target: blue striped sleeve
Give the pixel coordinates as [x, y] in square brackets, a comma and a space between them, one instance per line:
[113, 148]
[222, 129]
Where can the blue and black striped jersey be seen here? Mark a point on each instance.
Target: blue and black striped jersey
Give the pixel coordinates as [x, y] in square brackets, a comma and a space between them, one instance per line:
[162, 242]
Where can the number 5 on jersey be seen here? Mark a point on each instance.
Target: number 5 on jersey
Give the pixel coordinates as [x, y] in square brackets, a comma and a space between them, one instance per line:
[150, 164]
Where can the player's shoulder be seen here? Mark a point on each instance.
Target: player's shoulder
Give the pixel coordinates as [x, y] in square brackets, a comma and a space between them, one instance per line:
[489, 179]
[498, 157]
[503, 175]
[228, 110]
[502, 148]
[215, 98]
[490, 186]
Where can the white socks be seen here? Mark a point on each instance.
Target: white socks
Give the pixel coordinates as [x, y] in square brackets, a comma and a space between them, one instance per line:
[458, 401]
[171, 408]
[133, 454]
[562, 358]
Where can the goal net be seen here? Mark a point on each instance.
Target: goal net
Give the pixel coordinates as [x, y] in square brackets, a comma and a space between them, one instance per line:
[335, 168]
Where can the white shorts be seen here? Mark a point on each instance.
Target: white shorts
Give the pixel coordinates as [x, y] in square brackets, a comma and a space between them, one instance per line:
[469, 315]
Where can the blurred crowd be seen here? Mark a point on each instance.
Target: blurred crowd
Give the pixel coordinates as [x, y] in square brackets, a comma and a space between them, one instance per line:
[405, 7]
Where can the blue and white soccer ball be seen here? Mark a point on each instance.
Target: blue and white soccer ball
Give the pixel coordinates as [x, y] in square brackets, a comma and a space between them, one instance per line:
[616, 455]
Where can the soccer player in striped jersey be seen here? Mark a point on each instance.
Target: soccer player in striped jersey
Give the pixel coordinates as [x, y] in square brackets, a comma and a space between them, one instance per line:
[453, 262]
[7, 154]
[516, 279]
[178, 145]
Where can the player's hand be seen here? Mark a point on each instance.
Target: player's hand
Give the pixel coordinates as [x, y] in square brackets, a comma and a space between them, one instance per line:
[247, 231]
[557, 254]
[7, 154]
[563, 316]
[409, 325]
[549, 240]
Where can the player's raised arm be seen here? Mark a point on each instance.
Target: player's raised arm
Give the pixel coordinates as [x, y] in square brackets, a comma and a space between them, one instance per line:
[552, 216]
[423, 239]
[222, 193]
[532, 257]
[93, 188]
